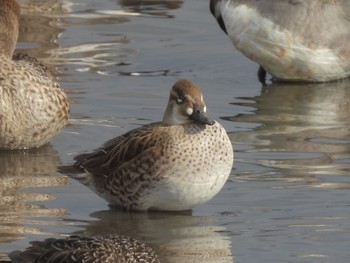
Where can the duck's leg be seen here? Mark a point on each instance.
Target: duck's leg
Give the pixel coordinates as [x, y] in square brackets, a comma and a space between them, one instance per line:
[262, 75]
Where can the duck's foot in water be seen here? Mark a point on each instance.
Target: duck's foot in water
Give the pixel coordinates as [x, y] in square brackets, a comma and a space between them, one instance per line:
[262, 75]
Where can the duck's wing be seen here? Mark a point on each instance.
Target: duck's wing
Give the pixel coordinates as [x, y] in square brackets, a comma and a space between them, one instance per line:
[120, 150]
[52, 250]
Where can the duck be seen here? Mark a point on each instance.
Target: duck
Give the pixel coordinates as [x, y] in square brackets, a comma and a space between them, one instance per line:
[33, 106]
[80, 249]
[172, 165]
[292, 40]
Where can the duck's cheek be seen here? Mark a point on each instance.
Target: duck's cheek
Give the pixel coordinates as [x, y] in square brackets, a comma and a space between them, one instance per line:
[189, 111]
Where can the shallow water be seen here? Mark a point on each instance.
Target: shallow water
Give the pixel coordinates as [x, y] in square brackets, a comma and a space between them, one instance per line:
[287, 199]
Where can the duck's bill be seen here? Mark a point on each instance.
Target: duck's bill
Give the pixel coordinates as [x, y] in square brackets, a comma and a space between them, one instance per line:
[200, 117]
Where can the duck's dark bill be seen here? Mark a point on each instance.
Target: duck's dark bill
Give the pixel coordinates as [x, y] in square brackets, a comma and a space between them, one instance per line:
[200, 117]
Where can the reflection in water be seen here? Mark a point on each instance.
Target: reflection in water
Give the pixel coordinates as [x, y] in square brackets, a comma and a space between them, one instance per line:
[40, 24]
[102, 49]
[108, 52]
[151, 7]
[176, 237]
[20, 170]
[103, 52]
[303, 132]
[94, 57]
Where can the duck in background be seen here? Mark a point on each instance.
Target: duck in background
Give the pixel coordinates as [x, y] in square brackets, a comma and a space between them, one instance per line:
[33, 107]
[293, 40]
[172, 165]
[79, 249]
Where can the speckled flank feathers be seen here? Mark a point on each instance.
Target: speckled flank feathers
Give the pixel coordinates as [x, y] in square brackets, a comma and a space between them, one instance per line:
[33, 107]
[79, 249]
[174, 165]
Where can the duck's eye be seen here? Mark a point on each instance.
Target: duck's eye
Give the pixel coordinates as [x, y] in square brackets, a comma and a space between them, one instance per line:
[179, 100]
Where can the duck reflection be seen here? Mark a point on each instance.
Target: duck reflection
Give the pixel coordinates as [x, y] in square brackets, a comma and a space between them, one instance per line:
[302, 131]
[20, 170]
[151, 7]
[40, 24]
[176, 237]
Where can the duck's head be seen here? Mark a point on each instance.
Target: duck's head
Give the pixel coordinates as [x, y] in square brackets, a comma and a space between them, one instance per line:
[9, 20]
[186, 105]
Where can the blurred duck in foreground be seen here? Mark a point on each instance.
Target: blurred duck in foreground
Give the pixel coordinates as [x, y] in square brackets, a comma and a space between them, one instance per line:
[293, 40]
[79, 249]
[33, 107]
[172, 165]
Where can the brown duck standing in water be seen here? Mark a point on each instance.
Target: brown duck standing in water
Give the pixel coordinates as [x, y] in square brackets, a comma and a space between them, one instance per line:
[33, 107]
[173, 165]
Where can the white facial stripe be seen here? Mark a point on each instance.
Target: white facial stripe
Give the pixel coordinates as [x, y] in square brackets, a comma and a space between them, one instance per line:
[189, 111]
[205, 109]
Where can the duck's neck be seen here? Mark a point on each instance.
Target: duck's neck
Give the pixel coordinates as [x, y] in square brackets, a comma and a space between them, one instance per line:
[171, 117]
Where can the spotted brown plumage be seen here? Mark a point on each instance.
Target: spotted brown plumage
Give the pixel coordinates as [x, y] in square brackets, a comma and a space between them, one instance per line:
[79, 249]
[173, 165]
[33, 107]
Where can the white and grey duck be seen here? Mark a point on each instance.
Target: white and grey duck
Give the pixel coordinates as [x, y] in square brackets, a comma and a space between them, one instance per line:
[293, 40]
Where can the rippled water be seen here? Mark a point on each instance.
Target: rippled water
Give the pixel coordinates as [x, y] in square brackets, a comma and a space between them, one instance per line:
[287, 199]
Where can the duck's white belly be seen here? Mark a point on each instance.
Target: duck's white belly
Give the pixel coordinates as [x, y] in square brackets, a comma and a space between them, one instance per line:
[278, 51]
[179, 192]
[193, 176]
